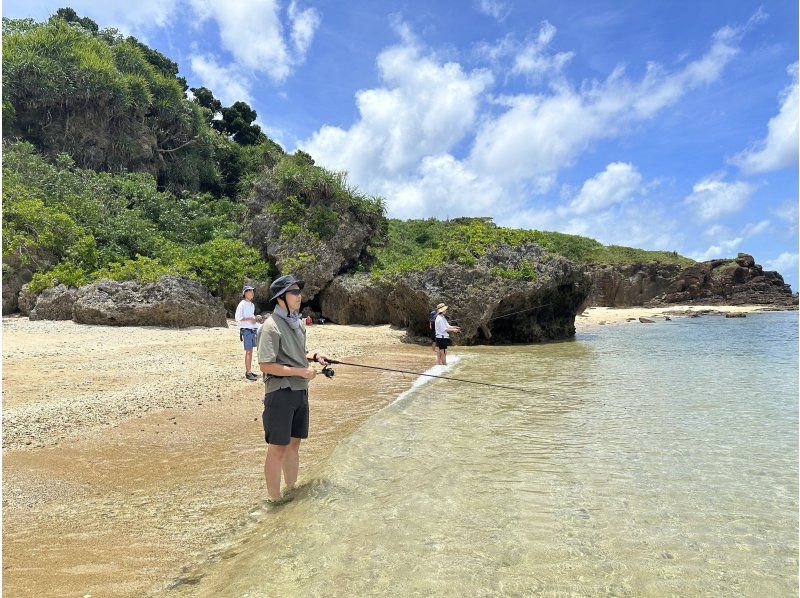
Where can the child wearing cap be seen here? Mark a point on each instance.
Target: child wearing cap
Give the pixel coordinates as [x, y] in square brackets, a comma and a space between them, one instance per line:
[248, 327]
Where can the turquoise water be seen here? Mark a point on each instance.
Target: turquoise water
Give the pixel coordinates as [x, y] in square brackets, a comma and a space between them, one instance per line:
[645, 460]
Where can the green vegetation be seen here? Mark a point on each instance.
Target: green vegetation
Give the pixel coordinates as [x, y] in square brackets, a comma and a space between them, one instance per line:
[75, 225]
[419, 244]
[114, 104]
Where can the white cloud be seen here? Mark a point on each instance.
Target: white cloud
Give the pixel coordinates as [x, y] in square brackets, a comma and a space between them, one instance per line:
[724, 249]
[406, 143]
[713, 197]
[424, 108]
[787, 211]
[497, 9]
[253, 32]
[716, 230]
[617, 183]
[529, 57]
[728, 248]
[304, 24]
[753, 229]
[540, 133]
[784, 262]
[780, 147]
[224, 81]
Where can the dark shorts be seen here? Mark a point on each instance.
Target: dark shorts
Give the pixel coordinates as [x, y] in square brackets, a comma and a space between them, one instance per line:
[285, 415]
[443, 343]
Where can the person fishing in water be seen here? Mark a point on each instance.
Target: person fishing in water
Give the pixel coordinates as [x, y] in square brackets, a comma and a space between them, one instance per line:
[443, 330]
[284, 361]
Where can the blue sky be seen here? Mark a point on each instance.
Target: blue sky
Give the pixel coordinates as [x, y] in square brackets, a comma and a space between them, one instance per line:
[669, 125]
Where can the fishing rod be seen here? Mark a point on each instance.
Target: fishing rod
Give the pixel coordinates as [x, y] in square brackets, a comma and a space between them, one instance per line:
[328, 372]
[513, 313]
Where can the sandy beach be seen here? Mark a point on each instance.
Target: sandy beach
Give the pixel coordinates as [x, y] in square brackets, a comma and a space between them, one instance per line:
[132, 454]
[594, 316]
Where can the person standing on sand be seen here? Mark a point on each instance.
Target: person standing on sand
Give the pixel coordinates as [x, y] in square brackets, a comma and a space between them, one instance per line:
[248, 324]
[284, 360]
[443, 330]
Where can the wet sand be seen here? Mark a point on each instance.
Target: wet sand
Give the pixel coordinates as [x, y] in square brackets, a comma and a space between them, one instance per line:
[131, 454]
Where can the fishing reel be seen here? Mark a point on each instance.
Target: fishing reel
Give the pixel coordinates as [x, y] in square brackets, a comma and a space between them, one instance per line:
[328, 371]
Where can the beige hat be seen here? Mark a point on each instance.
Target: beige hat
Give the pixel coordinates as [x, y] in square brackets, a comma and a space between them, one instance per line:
[440, 308]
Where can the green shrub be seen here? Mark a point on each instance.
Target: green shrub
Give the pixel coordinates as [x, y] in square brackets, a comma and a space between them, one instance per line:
[67, 272]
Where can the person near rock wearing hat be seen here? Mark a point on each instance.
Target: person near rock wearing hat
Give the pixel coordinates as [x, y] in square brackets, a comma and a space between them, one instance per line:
[443, 330]
[248, 324]
[284, 360]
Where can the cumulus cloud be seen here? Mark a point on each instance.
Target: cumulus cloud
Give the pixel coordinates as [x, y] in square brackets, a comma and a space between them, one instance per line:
[723, 249]
[227, 84]
[713, 197]
[423, 109]
[785, 262]
[615, 184]
[730, 247]
[432, 129]
[541, 133]
[253, 32]
[779, 148]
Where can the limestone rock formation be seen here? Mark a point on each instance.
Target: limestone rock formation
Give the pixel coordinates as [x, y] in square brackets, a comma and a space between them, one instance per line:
[489, 304]
[173, 301]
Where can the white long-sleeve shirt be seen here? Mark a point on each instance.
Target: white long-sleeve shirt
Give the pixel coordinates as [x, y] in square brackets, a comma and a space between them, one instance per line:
[441, 327]
[245, 309]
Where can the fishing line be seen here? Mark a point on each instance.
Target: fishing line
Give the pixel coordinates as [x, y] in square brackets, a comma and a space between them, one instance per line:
[373, 367]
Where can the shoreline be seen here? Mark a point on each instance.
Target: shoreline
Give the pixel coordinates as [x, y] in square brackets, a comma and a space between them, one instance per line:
[137, 454]
[122, 506]
[598, 316]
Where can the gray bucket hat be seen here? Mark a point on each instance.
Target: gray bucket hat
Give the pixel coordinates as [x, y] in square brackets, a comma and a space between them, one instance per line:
[246, 288]
[279, 285]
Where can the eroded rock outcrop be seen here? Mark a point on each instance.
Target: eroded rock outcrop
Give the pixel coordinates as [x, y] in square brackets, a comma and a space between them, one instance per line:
[629, 285]
[173, 301]
[737, 281]
[296, 245]
[487, 300]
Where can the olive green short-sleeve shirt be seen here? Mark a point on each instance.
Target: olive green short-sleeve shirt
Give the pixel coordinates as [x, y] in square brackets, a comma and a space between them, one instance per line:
[278, 343]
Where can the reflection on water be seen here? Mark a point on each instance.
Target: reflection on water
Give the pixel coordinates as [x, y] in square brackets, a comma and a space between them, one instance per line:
[654, 460]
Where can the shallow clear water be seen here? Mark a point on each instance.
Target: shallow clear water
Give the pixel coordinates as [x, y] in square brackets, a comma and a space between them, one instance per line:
[647, 460]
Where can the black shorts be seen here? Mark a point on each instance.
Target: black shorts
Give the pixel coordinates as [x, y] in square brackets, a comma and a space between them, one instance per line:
[443, 343]
[285, 415]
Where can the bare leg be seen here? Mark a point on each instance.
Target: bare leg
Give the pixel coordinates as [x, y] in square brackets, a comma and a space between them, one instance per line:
[443, 356]
[272, 469]
[291, 463]
[248, 360]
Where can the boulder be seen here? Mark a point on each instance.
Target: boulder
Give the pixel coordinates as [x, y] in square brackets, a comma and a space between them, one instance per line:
[646, 321]
[26, 300]
[173, 301]
[488, 302]
[735, 314]
[55, 303]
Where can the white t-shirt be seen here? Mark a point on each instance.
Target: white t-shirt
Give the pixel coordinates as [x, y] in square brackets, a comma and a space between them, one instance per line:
[441, 327]
[245, 309]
